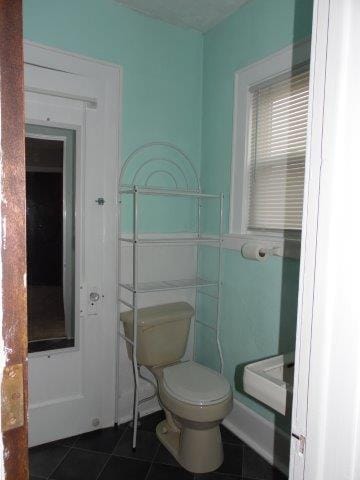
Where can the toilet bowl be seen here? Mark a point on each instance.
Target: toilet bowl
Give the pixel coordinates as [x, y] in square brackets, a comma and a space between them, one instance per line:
[195, 398]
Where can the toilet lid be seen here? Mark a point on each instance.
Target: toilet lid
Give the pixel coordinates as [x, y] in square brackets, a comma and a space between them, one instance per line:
[192, 383]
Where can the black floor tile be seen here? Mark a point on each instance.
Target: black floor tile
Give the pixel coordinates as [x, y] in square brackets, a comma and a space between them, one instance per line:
[67, 442]
[146, 446]
[216, 476]
[167, 472]
[255, 467]
[149, 422]
[103, 440]
[80, 465]
[87, 457]
[119, 468]
[233, 457]
[44, 459]
[229, 437]
[164, 456]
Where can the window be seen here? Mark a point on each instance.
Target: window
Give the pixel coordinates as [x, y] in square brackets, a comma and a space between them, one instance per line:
[269, 145]
[276, 153]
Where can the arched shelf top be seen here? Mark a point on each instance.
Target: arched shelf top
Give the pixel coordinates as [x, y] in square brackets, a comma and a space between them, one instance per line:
[159, 165]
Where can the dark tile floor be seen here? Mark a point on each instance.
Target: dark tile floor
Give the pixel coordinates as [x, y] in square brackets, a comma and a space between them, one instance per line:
[107, 455]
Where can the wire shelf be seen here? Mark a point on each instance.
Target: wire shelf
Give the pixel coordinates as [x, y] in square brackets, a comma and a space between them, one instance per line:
[148, 287]
[166, 192]
[172, 241]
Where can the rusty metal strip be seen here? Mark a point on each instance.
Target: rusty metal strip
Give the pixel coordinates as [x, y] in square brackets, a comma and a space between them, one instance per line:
[13, 248]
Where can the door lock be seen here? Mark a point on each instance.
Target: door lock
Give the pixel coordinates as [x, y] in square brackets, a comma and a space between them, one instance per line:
[94, 300]
[94, 297]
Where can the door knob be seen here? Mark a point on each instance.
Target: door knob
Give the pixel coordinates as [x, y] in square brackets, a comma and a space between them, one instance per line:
[94, 296]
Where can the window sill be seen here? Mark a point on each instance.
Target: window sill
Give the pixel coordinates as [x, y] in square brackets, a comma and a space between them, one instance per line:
[284, 247]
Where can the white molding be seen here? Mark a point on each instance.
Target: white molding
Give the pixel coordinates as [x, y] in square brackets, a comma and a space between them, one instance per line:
[40, 55]
[269, 441]
[326, 407]
[101, 81]
[276, 64]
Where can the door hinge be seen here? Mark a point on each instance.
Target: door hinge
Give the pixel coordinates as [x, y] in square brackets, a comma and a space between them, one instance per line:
[301, 442]
[12, 398]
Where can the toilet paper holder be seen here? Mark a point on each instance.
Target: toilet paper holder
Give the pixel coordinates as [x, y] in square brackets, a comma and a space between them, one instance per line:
[255, 251]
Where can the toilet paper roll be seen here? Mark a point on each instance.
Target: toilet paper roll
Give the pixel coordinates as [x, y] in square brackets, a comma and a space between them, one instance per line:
[254, 251]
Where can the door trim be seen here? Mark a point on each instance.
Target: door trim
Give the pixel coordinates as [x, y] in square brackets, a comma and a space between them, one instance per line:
[106, 79]
[13, 443]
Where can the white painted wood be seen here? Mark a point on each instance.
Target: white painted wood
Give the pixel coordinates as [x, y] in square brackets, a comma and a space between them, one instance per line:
[309, 236]
[263, 436]
[200, 15]
[279, 63]
[70, 388]
[327, 410]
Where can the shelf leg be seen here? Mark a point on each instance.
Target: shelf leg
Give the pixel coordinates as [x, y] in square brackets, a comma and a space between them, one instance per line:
[135, 319]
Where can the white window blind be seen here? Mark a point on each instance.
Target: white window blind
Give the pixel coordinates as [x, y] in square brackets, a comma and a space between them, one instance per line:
[277, 144]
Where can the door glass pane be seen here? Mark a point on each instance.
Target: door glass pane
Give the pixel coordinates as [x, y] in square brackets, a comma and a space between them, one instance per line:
[50, 211]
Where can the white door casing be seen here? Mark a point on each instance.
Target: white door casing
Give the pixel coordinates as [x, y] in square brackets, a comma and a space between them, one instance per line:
[308, 242]
[72, 391]
[326, 407]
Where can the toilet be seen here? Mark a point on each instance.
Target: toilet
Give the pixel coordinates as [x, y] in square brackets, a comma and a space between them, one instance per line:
[195, 398]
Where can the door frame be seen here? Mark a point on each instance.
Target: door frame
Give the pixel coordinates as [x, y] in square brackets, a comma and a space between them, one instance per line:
[106, 78]
[13, 320]
[325, 440]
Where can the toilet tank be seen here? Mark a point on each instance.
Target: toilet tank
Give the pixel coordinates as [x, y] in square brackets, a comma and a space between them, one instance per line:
[162, 333]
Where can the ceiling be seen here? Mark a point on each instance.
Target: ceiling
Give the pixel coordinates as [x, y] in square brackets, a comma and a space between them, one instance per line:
[200, 15]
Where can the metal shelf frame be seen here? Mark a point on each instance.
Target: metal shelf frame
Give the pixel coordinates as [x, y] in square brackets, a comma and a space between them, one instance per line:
[136, 288]
[172, 241]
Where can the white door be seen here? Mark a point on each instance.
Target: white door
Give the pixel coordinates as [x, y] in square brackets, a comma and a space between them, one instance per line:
[71, 390]
[326, 407]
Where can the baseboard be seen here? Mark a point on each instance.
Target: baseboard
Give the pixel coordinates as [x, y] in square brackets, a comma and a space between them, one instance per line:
[269, 441]
[126, 404]
[143, 413]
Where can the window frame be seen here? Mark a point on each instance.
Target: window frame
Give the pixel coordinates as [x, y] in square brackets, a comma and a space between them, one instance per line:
[282, 62]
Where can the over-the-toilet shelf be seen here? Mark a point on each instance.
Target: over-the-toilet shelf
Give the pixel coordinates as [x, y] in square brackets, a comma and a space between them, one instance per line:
[134, 242]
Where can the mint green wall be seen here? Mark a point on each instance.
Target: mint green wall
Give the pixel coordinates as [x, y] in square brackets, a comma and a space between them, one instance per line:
[258, 29]
[178, 87]
[162, 72]
[259, 300]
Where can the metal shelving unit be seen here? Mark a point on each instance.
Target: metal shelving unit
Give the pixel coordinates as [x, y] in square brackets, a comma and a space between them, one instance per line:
[137, 288]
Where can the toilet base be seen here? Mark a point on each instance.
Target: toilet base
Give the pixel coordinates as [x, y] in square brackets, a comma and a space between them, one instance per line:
[198, 451]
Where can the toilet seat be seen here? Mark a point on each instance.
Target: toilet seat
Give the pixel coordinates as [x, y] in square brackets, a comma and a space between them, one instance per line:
[195, 384]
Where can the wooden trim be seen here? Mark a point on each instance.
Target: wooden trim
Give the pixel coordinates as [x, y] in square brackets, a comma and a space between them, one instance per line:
[12, 213]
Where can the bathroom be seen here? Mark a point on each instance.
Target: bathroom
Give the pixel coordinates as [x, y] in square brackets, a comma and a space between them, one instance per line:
[171, 109]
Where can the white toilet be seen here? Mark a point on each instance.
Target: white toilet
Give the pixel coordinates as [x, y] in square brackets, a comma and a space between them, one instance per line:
[195, 398]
